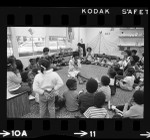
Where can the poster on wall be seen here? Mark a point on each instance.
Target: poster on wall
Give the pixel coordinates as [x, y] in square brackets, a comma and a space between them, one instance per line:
[70, 34]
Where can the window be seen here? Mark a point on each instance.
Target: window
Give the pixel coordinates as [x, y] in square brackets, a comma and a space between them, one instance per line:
[56, 43]
[9, 46]
[29, 46]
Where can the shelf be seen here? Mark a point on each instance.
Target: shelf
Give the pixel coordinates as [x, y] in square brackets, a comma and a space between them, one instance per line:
[131, 36]
[131, 28]
[128, 46]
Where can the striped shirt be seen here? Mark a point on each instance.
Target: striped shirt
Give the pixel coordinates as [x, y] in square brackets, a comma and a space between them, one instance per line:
[94, 112]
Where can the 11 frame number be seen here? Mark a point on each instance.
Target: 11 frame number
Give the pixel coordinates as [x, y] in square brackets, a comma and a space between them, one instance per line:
[92, 133]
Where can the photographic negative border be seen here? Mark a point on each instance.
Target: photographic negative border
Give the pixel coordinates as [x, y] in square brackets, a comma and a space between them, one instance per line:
[72, 17]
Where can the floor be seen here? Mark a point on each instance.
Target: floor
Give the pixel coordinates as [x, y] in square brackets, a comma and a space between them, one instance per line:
[119, 98]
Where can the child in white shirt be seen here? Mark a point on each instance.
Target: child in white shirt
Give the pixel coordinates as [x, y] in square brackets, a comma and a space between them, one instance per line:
[14, 80]
[46, 83]
[128, 81]
[74, 68]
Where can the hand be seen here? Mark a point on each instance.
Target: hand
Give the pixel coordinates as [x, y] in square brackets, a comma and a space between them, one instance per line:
[46, 94]
[130, 102]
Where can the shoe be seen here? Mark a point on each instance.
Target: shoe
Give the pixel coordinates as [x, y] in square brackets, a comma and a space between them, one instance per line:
[31, 97]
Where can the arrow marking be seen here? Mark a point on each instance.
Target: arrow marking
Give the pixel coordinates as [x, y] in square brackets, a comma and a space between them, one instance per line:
[146, 135]
[5, 133]
[82, 133]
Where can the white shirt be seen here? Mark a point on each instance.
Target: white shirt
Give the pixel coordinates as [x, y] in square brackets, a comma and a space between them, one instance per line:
[112, 81]
[72, 65]
[13, 81]
[129, 80]
[47, 81]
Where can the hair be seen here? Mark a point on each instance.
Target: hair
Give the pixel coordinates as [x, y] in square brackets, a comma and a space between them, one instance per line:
[79, 44]
[117, 116]
[89, 48]
[138, 97]
[32, 59]
[75, 54]
[10, 62]
[24, 76]
[35, 71]
[128, 52]
[12, 57]
[19, 65]
[91, 85]
[134, 51]
[99, 99]
[135, 58]
[111, 73]
[44, 64]
[45, 50]
[37, 59]
[71, 84]
[131, 71]
[116, 67]
[105, 80]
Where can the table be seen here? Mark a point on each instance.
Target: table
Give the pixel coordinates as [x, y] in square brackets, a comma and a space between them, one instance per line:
[17, 105]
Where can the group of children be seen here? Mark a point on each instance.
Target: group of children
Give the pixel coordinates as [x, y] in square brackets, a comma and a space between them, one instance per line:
[45, 82]
[95, 60]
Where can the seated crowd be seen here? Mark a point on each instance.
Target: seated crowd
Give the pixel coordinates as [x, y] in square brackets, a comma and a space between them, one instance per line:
[41, 80]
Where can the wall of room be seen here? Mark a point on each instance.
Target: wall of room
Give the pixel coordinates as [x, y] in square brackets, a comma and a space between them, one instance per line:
[106, 42]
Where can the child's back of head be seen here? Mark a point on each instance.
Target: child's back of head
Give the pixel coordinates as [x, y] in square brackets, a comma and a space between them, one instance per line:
[19, 65]
[44, 64]
[111, 73]
[130, 71]
[11, 64]
[71, 84]
[105, 80]
[91, 85]
[138, 97]
[99, 99]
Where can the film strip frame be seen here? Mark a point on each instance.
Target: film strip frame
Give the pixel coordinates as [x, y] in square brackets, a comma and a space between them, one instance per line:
[62, 17]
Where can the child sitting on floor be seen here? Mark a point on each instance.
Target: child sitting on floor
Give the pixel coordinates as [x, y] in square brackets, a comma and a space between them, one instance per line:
[109, 63]
[32, 64]
[71, 95]
[105, 81]
[14, 80]
[96, 60]
[127, 82]
[134, 108]
[112, 84]
[103, 60]
[74, 68]
[86, 99]
[89, 56]
[97, 111]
